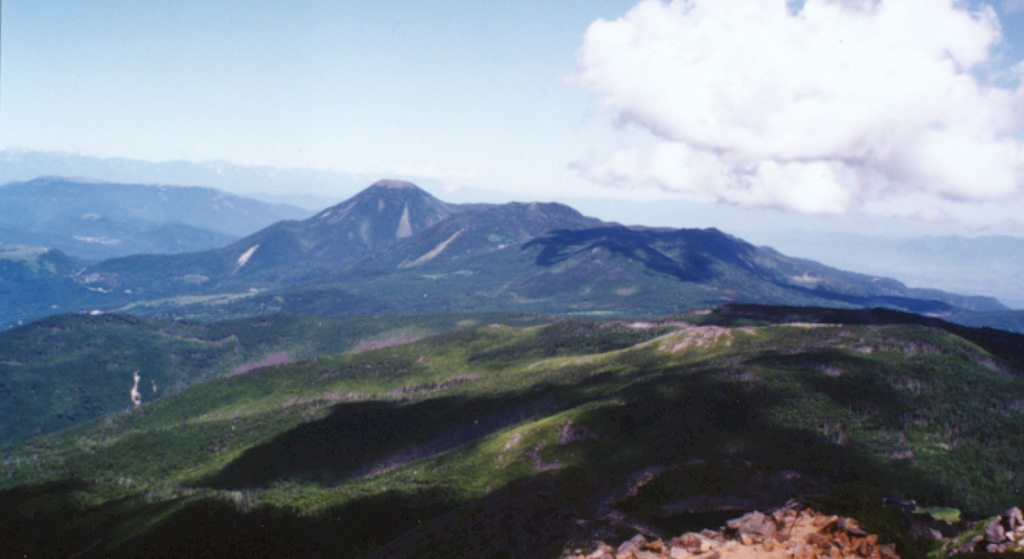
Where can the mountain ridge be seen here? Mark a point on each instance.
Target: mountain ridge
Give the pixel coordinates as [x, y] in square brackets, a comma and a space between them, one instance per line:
[989, 263]
[97, 220]
[394, 248]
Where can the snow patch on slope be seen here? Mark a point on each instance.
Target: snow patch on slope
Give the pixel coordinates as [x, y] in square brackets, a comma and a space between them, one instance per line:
[433, 253]
[135, 395]
[404, 227]
[341, 213]
[364, 231]
[244, 258]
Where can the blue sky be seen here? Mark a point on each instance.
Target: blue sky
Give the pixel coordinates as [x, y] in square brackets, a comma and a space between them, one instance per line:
[468, 90]
[535, 100]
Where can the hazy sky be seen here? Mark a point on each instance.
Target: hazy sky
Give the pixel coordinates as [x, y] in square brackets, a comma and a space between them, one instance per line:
[910, 109]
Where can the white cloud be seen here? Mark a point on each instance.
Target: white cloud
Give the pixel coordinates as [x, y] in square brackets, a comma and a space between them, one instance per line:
[814, 111]
[931, 214]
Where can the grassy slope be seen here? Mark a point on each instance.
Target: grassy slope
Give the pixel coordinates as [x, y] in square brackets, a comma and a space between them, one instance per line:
[500, 441]
[67, 369]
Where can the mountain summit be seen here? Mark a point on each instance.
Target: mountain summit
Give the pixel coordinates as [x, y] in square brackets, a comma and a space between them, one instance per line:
[393, 183]
[287, 252]
[387, 210]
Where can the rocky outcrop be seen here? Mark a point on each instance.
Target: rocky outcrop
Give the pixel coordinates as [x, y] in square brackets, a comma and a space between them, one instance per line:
[802, 533]
[788, 533]
[1001, 534]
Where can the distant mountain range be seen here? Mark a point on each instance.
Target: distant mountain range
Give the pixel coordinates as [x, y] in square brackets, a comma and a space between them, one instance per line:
[96, 220]
[18, 165]
[395, 249]
[987, 265]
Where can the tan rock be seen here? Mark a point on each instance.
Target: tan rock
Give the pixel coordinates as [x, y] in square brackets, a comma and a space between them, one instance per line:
[851, 526]
[712, 535]
[994, 531]
[1014, 518]
[792, 535]
[602, 550]
[818, 540]
[630, 547]
[754, 526]
[656, 546]
[688, 541]
[820, 521]
[798, 551]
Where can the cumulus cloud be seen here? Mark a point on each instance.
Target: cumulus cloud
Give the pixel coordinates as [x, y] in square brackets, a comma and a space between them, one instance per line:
[815, 110]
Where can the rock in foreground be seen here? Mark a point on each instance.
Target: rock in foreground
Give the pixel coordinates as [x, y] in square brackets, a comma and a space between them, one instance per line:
[788, 533]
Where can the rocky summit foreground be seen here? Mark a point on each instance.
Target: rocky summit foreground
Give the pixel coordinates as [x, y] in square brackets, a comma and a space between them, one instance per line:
[797, 532]
[788, 533]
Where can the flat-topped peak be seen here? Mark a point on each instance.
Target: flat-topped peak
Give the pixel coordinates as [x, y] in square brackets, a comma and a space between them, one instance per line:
[392, 183]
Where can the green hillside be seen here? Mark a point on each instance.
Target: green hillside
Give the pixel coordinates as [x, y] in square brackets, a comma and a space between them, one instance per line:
[38, 281]
[67, 369]
[499, 441]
